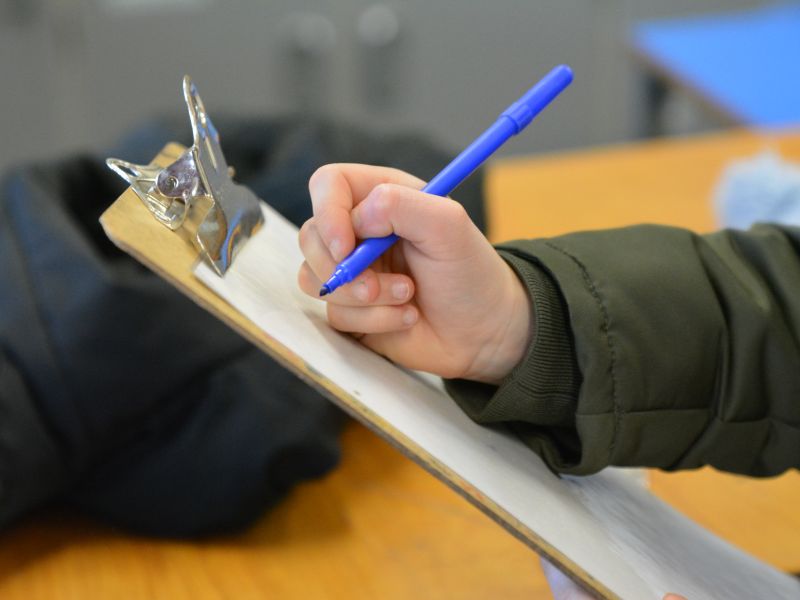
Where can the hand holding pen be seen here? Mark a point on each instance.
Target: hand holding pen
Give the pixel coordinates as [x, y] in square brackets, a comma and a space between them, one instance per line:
[440, 299]
[511, 122]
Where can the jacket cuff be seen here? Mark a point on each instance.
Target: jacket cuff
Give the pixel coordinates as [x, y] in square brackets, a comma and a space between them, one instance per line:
[538, 398]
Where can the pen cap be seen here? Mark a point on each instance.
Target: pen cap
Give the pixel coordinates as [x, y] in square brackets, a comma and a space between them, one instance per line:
[538, 97]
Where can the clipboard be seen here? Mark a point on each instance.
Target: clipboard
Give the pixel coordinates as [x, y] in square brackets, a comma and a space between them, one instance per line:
[186, 219]
[600, 530]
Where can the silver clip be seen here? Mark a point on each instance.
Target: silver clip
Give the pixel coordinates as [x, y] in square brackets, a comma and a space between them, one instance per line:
[196, 195]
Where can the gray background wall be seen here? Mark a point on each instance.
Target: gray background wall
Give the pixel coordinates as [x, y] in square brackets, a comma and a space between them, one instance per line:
[77, 73]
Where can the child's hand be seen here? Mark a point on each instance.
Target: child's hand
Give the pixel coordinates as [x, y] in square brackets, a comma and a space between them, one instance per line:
[440, 300]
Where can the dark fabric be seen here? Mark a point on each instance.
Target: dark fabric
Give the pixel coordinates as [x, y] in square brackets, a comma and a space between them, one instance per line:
[688, 348]
[120, 396]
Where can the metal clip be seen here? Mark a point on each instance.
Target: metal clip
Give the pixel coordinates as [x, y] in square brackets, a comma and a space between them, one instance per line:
[196, 195]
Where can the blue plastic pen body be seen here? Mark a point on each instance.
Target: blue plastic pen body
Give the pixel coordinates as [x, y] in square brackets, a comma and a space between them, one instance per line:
[513, 120]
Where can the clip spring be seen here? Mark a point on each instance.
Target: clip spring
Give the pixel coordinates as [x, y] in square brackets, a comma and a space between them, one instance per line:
[196, 195]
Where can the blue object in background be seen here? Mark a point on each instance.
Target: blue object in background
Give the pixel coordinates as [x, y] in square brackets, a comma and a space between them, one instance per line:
[513, 120]
[763, 189]
[746, 64]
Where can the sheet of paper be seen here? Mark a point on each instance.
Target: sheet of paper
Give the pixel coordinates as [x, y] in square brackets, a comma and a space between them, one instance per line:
[607, 525]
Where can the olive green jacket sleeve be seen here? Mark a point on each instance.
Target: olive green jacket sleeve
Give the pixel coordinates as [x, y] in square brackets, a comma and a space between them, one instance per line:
[654, 346]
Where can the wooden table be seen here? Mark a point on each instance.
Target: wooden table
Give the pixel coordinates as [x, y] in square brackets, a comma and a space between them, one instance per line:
[381, 527]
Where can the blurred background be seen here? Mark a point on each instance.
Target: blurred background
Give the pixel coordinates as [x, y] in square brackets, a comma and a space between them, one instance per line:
[78, 73]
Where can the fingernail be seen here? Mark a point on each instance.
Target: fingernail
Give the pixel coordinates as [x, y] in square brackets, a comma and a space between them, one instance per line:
[335, 249]
[361, 292]
[400, 290]
[410, 316]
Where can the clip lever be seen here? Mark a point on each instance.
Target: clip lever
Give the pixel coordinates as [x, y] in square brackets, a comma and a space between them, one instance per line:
[196, 195]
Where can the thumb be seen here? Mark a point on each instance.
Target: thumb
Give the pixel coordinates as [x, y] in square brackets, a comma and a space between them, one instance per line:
[423, 219]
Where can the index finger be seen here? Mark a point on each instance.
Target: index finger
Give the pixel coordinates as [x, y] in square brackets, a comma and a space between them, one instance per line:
[336, 188]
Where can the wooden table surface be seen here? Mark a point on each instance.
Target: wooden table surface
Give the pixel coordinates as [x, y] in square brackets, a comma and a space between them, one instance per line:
[381, 527]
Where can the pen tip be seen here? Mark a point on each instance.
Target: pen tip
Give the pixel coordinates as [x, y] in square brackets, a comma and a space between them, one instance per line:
[324, 291]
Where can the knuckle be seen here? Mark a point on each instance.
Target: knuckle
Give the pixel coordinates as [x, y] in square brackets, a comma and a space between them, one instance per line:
[395, 192]
[373, 287]
[388, 197]
[323, 172]
[456, 213]
[364, 291]
[385, 191]
[374, 195]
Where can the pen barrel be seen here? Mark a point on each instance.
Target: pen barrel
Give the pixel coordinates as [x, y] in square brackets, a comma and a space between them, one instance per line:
[513, 120]
[536, 99]
[510, 123]
[363, 256]
[445, 182]
[471, 158]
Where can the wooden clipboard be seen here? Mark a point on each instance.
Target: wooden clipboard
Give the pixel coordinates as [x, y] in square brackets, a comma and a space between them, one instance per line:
[621, 572]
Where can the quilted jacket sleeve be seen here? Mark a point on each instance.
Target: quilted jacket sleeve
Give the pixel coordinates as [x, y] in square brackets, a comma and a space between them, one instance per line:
[656, 347]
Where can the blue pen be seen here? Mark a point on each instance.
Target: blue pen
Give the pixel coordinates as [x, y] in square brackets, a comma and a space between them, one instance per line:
[513, 120]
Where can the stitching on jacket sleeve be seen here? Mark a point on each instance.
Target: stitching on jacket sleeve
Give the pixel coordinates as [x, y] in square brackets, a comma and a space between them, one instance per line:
[618, 411]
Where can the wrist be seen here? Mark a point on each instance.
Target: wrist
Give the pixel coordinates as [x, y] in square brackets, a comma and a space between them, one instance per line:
[512, 334]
